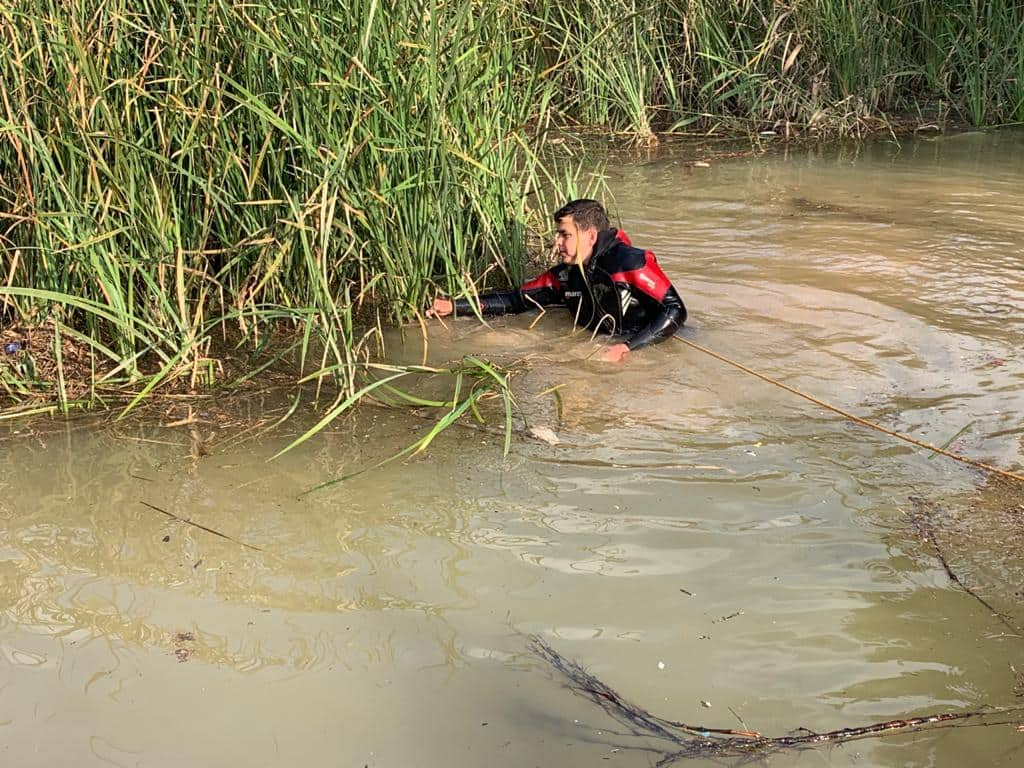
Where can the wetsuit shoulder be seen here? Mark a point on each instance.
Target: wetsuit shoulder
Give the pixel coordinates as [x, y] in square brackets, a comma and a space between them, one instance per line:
[623, 258]
[639, 269]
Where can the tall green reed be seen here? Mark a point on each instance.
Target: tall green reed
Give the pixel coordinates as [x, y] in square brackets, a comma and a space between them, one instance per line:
[973, 54]
[834, 67]
[175, 170]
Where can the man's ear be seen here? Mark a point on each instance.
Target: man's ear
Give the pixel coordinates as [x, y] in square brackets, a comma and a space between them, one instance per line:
[591, 235]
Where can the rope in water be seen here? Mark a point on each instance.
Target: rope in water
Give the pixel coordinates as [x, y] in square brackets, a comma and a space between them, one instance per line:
[852, 417]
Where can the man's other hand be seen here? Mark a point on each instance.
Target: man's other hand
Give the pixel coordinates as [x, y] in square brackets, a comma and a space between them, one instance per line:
[616, 353]
[440, 308]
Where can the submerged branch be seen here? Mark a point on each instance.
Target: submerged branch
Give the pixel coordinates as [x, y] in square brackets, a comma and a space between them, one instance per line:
[688, 741]
[921, 520]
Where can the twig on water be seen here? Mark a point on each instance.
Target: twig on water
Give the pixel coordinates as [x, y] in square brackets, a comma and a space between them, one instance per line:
[726, 618]
[690, 741]
[921, 519]
[200, 526]
[951, 440]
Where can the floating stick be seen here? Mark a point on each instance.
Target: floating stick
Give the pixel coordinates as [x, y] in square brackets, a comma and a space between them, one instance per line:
[199, 526]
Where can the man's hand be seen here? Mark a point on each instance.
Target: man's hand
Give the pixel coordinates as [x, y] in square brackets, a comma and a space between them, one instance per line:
[441, 308]
[616, 353]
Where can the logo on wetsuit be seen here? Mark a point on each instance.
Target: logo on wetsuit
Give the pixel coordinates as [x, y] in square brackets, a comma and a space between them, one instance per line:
[647, 280]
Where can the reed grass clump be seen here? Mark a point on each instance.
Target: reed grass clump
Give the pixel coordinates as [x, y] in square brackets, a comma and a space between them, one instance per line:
[177, 171]
[836, 68]
[178, 174]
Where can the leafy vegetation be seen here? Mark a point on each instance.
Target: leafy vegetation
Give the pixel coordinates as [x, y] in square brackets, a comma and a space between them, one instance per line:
[834, 68]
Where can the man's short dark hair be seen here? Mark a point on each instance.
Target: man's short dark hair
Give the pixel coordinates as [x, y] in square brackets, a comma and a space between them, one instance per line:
[588, 214]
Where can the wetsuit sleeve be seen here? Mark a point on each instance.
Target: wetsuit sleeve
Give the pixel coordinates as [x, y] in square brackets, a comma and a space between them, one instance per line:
[494, 303]
[670, 317]
[543, 291]
[648, 279]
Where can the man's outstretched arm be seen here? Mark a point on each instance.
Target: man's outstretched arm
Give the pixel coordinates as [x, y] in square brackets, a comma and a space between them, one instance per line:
[544, 290]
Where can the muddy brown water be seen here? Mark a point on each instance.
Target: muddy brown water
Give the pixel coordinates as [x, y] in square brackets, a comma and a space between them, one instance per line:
[698, 538]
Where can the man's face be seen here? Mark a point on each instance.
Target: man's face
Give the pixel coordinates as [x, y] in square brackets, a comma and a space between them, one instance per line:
[573, 244]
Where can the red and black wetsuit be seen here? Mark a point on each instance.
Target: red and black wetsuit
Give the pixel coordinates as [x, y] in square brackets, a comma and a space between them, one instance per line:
[621, 290]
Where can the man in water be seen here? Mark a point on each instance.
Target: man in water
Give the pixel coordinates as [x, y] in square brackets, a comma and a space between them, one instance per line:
[608, 285]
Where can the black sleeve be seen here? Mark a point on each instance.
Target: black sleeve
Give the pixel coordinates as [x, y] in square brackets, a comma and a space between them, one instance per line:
[544, 290]
[670, 318]
[495, 303]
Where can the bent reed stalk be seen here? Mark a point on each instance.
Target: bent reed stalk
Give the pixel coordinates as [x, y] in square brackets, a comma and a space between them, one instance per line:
[181, 174]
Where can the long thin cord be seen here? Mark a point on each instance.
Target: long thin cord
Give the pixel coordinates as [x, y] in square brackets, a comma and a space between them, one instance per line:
[852, 417]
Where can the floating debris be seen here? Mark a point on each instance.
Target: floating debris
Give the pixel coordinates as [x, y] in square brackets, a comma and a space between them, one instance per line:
[683, 741]
[545, 435]
[726, 618]
[183, 653]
